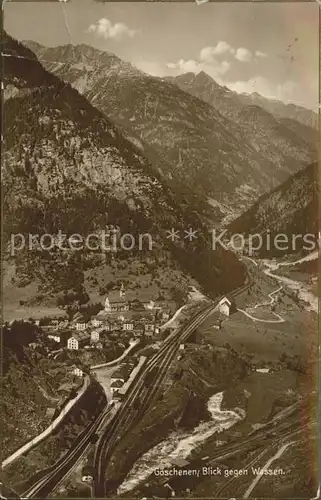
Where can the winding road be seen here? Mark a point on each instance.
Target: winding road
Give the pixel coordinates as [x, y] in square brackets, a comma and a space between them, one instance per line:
[279, 320]
[116, 421]
[40, 437]
[303, 292]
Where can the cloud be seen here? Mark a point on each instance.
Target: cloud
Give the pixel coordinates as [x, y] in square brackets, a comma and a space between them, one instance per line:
[257, 84]
[105, 29]
[215, 68]
[208, 53]
[150, 67]
[243, 55]
[208, 60]
[258, 53]
[287, 91]
[185, 66]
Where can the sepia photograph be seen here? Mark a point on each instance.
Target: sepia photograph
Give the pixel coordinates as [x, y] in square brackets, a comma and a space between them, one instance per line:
[160, 250]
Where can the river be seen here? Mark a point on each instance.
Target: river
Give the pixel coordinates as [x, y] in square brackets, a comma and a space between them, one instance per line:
[180, 444]
[303, 292]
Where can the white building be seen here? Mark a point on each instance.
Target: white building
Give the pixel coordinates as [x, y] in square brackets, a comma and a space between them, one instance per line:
[78, 372]
[150, 305]
[81, 325]
[101, 320]
[78, 340]
[128, 326]
[72, 343]
[55, 337]
[96, 322]
[225, 306]
[116, 301]
[96, 334]
[263, 370]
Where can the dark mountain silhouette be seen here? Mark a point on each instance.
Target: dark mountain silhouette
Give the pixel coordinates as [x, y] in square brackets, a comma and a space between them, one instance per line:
[202, 152]
[68, 167]
[291, 209]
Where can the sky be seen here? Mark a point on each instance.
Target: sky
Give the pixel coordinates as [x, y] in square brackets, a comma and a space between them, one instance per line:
[269, 48]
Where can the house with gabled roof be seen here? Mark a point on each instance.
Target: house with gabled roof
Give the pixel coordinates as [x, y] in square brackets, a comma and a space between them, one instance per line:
[117, 378]
[96, 335]
[116, 386]
[80, 322]
[116, 301]
[226, 306]
[120, 374]
[78, 372]
[77, 340]
[97, 321]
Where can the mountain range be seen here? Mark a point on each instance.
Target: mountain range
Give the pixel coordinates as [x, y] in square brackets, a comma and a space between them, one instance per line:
[283, 111]
[210, 144]
[229, 102]
[290, 209]
[67, 167]
[276, 130]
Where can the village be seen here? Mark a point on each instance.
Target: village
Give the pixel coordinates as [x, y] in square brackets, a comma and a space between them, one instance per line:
[121, 324]
[113, 335]
[120, 317]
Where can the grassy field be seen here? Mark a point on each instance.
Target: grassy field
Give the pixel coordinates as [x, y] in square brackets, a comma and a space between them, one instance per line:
[262, 395]
[145, 280]
[266, 342]
[263, 341]
[262, 313]
[259, 291]
[17, 303]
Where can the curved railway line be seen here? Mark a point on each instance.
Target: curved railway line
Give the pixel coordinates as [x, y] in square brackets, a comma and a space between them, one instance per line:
[114, 426]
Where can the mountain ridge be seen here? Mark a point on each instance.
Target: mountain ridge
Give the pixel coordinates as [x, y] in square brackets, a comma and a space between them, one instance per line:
[68, 167]
[291, 209]
[303, 115]
[200, 147]
[277, 108]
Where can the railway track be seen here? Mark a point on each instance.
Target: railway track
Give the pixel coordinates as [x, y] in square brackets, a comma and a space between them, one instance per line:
[128, 417]
[46, 480]
[114, 427]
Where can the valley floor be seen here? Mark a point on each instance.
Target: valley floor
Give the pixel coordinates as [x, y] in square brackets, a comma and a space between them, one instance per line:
[260, 448]
[237, 410]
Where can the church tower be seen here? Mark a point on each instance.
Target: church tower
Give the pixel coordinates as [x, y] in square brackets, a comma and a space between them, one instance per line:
[122, 290]
[107, 305]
